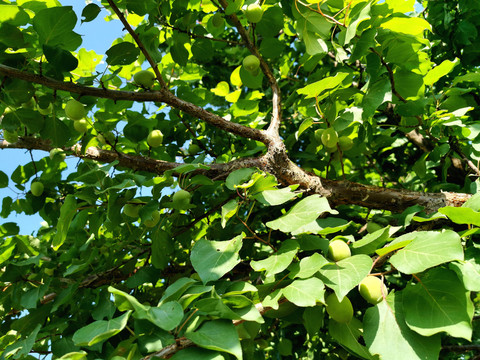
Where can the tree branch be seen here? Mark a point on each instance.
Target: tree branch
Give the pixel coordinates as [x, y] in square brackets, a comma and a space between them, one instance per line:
[273, 128]
[150, 60]
[141, 96]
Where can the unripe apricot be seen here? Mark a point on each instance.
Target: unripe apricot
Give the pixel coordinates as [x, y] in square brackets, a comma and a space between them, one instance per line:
[217, 20]
[330, 138]
[254, 13]
[345, 143]
[251, 63]
[132, 209]
[371, 289]
[338, 250]
[74, 110]
[155, 138]
[36, 188]
[144, 78]
[154, 219]
[80, 125]
[340, 311]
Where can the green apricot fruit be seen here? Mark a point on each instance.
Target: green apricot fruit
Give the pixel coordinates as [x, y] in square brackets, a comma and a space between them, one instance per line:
[194, 149]
[372, 226]
[154, 219]
[57, 154]
[11, 137]
[372, 289]
[345, 143]
[144, 78]
[155, 138]
[46, 111]
[340, 311]
[251, 63]
[318, 134]
[329, 138]
[106, 138]
[74, 110]
[132, 209]
[338, 250]
[80, 125]
[217, 20]
[181, 199]
[254, 13]
[36, 188]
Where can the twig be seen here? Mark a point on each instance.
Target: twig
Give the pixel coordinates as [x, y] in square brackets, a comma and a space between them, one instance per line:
[135, 37]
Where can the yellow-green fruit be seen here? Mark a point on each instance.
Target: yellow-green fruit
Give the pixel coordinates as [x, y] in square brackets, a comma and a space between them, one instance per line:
[36, 188]
[371, 289]
[57, 154]
[132, 209]
[11, 137]
[329, 138]
[373, 226]
[46, 111]
[181, 198]
[251, 63]
[74, 110]
[80, 125]
[155, 138]
[345, 143]
[217, 20]
[318, 134]
[154, 219]
[338, 250]
[254, 13]
[108, 138]
[340, 311]
[193, 149]
[144, 78]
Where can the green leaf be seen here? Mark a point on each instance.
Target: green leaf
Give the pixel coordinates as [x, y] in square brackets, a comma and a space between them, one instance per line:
[219, 335]
[279, 261]
[99, 331]
[123, 53]
[371, 242]
[193, 353]
[90, 12]
[414, 26]
[359, 13]
[228, 210]
[439, 71]
[396, 341]
[378, 93]
[461, 215]
[67, 212]
[315, 89]
[469, 270]
[213, 259]
[55, 130]
[13, 15]
[326, 226]
[61, 59]
[306, 292]
[307, 267]
[348, 334]
[428, 249]
[345, 274]
[302, 213]
[438, 303]
[275, 196]
[54, 27]
[238, 177]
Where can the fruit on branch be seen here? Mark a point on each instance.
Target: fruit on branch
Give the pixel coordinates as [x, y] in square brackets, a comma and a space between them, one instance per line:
[329, 138]
[338, 250]
[74, 110]
[181, 199]
[372, 289]
[254, 13]
[144, 78]
[340, 311]
[132, 209]
[46, 111]
[155, 138]
[251, 63]
[36, 188]
[194, 149]
[9, 136]
[217, 20]
[345, 143]
[57, 154]
[154, 219]
[106, 138]
[318, 135]
[80, 125]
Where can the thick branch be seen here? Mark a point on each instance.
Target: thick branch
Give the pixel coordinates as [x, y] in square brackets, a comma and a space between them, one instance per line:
[154, 96]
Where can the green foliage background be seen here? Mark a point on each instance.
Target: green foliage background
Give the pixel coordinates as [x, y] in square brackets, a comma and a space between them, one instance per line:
[241, 271]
